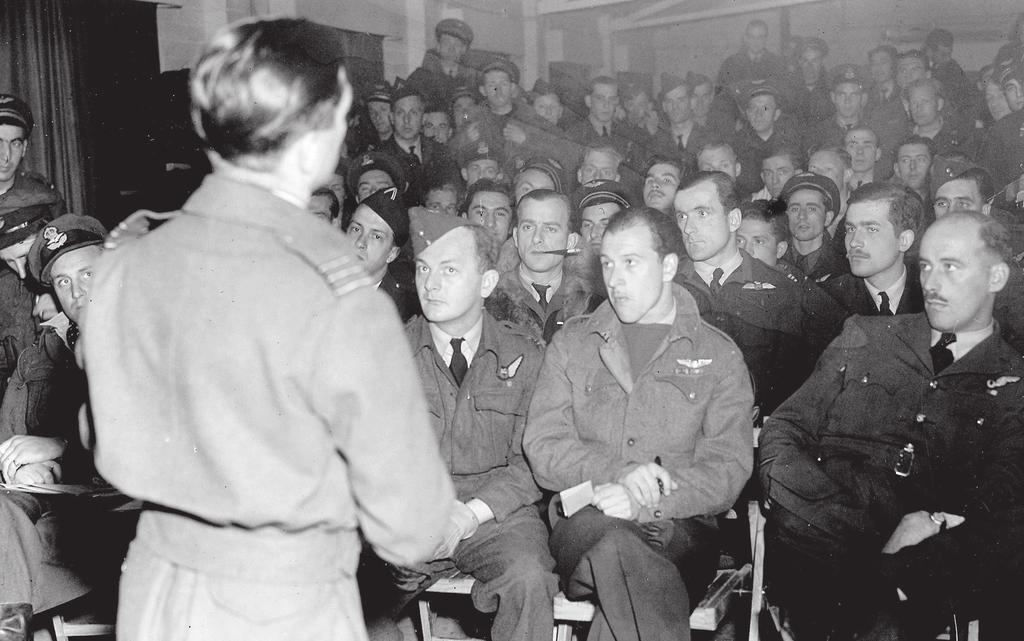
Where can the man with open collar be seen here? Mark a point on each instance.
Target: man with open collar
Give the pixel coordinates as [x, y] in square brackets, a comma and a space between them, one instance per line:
[648, 406]
[893, 476]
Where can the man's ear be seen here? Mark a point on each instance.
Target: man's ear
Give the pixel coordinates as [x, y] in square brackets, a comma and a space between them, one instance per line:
[986, 209]
[735, 218]
[998, 275]
[465, 175]
[781, 248]
[669, 267]
[393, 253]
[587, 101]
[739, 169]
[829, 217]
[573, 240]
[488, 282]
[905, 240]
[515, 236]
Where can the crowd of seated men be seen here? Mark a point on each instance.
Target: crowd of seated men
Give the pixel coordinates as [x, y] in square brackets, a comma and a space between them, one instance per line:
[615, 297]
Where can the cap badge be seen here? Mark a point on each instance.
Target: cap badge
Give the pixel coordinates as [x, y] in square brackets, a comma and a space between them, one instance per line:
[366, 161]
[483, 148]
[54, 238]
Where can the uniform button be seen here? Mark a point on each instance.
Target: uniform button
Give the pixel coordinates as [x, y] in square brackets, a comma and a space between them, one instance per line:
[981, 422]
[919, 418]
[657, 514]
[631, 442]
[692, 395]
[933, 384]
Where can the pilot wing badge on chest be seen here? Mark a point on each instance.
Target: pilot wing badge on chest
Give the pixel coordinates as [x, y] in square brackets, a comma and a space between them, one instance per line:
[508, 372]
[691, 367]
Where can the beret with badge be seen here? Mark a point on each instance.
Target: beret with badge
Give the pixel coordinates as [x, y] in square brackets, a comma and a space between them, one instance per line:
[387, 203]
[63, 234]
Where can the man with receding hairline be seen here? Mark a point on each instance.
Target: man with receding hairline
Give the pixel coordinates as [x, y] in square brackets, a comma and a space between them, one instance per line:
[893, 476]
[248, 382]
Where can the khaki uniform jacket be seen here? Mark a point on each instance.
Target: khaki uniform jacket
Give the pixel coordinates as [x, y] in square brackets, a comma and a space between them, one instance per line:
[244, 374]
[691, 406]
[479, 425]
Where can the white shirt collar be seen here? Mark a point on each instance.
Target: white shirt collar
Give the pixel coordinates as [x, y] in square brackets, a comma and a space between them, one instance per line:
[894, 291]
[965, 341]
[443, 344]
[706, 270]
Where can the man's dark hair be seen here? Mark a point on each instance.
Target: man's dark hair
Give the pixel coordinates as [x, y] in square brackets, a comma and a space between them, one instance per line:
[548, 195]
[914, 139]
[490, 186]
[906, 210]
[664, 230]
[335, 206]
[260, 85]
[762, 210]
[659, 159]
[724, 185]
[444, 183]
[717, 143]
[982, 179]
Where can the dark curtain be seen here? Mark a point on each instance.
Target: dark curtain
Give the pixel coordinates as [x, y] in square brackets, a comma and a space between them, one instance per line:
[84, 67]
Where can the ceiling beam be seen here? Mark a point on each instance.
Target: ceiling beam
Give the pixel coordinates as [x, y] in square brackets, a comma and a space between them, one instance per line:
[624, 24]
[651, 9]
[547, 7]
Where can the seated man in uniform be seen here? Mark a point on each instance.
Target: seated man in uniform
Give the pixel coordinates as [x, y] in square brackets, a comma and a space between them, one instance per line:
[549, 285]
[812, 201]
[779, 323]
[894, 475]
[661, 180]
[479, 375]
[39, 437]
[373, 171]
[882, 222]
[379, 229]
[649, 406]
[489, 204]
[763, 233]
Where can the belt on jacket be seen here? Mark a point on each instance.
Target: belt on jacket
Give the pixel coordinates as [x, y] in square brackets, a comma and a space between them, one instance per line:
[315, 555]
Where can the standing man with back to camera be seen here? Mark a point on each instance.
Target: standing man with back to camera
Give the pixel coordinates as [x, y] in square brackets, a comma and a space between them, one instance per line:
[262, 438]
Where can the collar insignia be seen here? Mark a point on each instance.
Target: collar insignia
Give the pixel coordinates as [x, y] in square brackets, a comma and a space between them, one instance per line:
[509, 371]
[695, 363]
[1001, 381]
[54, 238]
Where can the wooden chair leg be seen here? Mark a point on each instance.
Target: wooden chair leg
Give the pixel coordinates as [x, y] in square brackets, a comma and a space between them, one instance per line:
[757, 553]
[425, 627]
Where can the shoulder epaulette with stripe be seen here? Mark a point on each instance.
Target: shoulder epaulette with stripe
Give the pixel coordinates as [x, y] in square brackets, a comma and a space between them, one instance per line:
[344, 274]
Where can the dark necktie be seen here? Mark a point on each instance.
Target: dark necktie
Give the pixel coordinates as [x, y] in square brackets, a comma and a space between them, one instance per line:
[883, 307]
[459, 364]
[604, 132]
[716, 280]
[542, 291]
[412, 152]
[72, 335]
[681, 144]
[942, 356]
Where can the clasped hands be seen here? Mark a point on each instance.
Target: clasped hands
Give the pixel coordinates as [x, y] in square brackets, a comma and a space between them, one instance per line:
[31, 459]
[638, 486]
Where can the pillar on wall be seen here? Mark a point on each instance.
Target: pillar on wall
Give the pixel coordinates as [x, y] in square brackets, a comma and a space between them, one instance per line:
[604, 30]
[533, 46]
[415, 33]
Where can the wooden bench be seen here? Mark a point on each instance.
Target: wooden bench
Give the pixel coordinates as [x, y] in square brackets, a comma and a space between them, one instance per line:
[707, 615]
